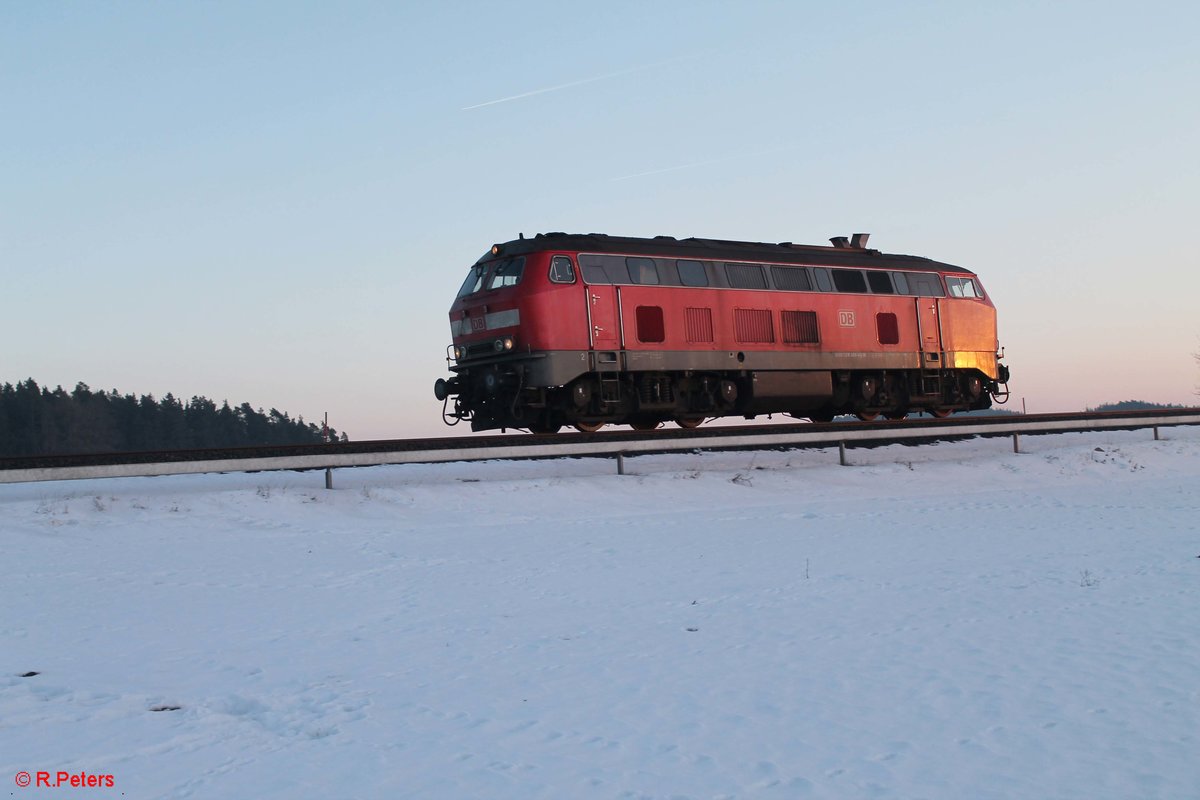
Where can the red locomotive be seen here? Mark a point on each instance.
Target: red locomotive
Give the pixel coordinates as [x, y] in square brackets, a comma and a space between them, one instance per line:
[587, 330]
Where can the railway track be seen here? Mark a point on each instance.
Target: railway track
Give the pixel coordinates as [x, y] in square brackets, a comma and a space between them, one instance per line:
[604, 443]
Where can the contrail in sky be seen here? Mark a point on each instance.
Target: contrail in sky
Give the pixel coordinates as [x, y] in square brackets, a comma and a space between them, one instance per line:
[604, 77]
[705, 163]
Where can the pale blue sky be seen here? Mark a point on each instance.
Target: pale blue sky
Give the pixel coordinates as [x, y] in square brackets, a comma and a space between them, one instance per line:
[275, 202]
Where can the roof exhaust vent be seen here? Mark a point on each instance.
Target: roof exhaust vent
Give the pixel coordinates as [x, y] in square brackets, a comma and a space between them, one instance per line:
[859, 241]
[840, 242]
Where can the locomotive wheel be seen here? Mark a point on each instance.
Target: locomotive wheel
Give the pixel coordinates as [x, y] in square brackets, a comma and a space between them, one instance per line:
[588, 427]
[689, 422]
[545, 428]
[641, 425]
[899, 413]
[820, 416]
[867, 416]
[940, 413]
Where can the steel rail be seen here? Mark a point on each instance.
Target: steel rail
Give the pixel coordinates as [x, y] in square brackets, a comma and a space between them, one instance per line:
[612, 443]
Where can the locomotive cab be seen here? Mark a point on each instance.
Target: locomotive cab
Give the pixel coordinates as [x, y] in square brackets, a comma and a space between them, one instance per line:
[516, 332]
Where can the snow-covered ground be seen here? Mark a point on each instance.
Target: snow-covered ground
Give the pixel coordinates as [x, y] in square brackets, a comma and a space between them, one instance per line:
[949, 621]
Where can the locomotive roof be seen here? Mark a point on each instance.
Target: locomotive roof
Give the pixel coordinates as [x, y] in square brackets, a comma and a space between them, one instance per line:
[719, 249]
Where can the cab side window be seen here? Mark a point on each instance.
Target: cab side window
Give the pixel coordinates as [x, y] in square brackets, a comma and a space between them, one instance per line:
[924, 284]
[592, 269]
[562, 270]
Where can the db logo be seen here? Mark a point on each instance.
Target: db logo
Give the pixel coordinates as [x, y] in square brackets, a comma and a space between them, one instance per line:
[846, 319]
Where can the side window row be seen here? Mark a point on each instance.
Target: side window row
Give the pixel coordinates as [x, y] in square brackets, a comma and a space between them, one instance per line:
[652, 272]
[599, 269]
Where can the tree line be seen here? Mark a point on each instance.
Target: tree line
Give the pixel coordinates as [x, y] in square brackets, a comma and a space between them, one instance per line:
[1134, 405]
[37, 420]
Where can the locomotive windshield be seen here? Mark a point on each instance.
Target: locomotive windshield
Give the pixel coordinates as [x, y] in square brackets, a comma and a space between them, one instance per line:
[507, 273]
[474, 281]
[494, 274]
[963, 287]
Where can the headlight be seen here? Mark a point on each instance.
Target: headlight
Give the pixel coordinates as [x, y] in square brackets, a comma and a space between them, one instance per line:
[508, 343]
[504, 344]
[459, 352]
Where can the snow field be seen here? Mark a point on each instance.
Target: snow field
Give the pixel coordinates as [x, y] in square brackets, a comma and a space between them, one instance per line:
[943, 621]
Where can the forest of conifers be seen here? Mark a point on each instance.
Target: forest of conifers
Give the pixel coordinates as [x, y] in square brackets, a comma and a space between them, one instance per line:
[36, 420]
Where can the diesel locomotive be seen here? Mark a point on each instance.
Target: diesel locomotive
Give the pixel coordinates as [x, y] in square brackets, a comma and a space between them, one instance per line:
[587, 330]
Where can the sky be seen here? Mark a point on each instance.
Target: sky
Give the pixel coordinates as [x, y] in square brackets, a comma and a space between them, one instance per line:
[275, 203]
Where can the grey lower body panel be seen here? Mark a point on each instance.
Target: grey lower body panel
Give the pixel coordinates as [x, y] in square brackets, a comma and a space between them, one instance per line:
[729, 360]
[560, 367]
